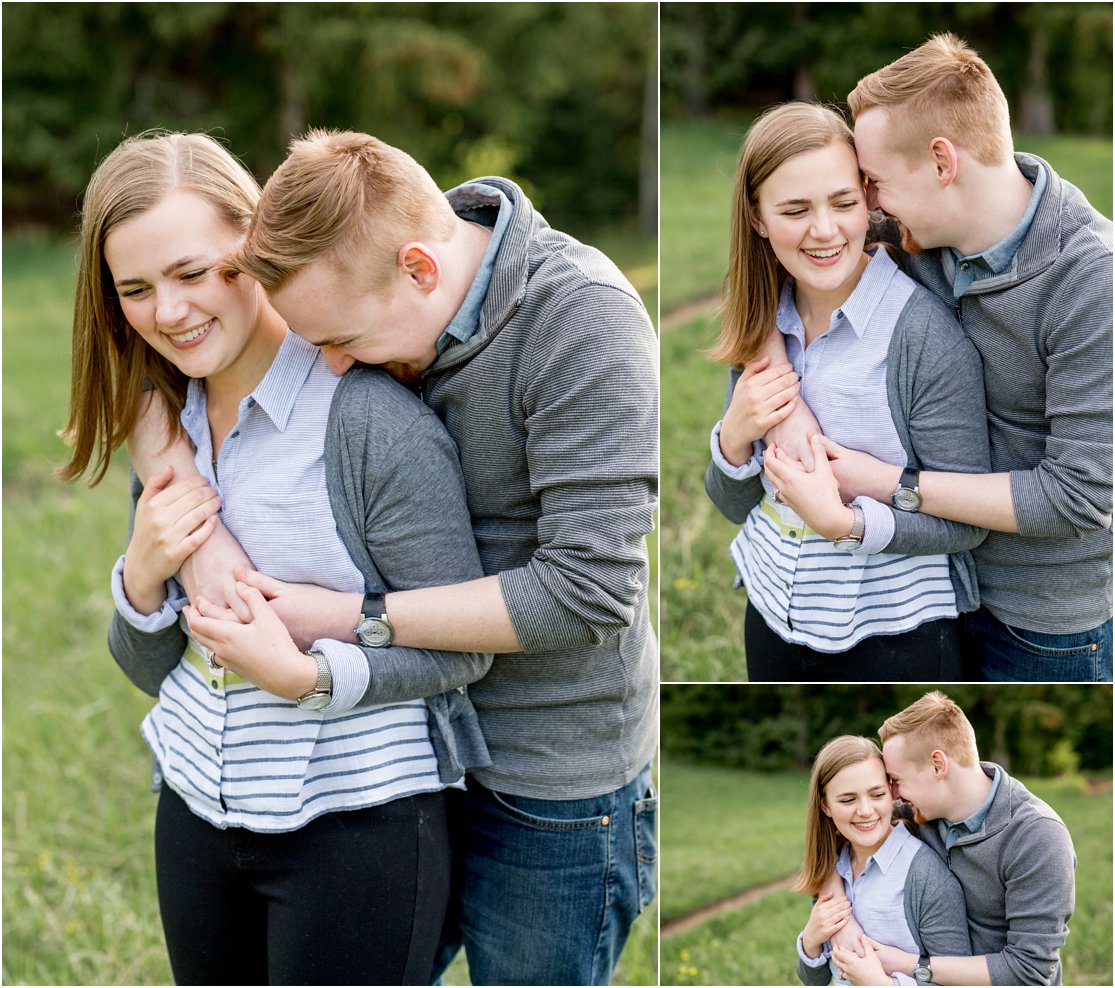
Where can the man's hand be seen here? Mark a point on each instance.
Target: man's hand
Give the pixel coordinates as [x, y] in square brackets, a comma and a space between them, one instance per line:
[861, 970]
[261, 650]
[812, 494]
[764, 395]
[896, 961]
[172, 519]
[860, 474]
[829, 913]
[309, 612]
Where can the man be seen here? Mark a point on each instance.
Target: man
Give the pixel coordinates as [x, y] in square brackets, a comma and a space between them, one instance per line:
[541, 361]
[1010, 851]
[1026, 263]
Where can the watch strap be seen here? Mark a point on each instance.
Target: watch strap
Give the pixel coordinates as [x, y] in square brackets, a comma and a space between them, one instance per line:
[909, 478]
[373, 606]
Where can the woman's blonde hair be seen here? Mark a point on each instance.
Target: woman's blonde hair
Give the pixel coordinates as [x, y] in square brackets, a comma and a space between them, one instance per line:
[345, 197]
[822, 840]
[111, 361]
[755, 277]
[940, 89]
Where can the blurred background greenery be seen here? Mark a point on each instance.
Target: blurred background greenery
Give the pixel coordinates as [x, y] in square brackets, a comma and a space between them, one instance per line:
[741, 754]
[560, 97]
[722, 64]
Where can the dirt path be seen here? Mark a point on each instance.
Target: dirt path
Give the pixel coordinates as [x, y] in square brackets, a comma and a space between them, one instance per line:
[690, 310]
[738, 901]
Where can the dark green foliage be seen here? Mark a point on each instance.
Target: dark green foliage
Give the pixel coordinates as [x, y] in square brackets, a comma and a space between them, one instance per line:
[1052, 60]
[1032, 729]
[552, 95]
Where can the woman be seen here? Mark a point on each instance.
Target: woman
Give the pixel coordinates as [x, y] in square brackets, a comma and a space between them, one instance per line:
[883, 367]
[904, 895]
[300, 834]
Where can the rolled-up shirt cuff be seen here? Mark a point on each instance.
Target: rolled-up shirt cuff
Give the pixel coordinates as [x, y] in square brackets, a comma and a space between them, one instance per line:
[878, 525]
[164, 617]
[812, 961]
[745, 471]
[349, 668]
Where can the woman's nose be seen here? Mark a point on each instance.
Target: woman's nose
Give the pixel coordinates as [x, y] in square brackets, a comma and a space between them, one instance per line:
[171, 307]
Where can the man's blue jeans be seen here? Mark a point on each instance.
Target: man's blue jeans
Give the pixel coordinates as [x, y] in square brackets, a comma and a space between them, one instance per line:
[1002, 653]
[545, 891]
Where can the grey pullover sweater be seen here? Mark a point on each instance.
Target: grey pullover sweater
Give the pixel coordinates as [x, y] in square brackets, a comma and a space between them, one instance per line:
[1043, 329]
[1018, 874]
[553, 405]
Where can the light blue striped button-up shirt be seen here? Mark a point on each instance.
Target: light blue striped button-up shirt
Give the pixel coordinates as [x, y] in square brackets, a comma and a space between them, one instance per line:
[237, 755]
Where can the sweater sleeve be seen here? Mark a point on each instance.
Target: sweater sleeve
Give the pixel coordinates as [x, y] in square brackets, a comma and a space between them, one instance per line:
[591, 421]
[145, 657]
[1038, 871]
[934, 905]
[1068, 494]
[945, 415]
[398, 497]
[737, 492]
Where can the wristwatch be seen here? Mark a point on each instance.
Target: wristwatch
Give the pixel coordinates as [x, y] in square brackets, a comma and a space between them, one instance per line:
[322, 693]
[906, 496]
[374, 630]
[854, 539]
[922, 974]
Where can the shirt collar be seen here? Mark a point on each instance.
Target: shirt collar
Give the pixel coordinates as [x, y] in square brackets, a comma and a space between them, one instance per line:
[971, 824]
[466, 320]
[884, 857]
[277, 392]
[859, 307]
[998, 257]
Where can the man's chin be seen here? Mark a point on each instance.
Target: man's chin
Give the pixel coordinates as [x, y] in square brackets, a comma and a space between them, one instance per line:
[406, 374]
[910, 243]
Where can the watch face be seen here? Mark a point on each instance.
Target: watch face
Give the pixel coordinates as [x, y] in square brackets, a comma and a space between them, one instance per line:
[921, 974]
[375, 632]
[906, 499]
[315, 701]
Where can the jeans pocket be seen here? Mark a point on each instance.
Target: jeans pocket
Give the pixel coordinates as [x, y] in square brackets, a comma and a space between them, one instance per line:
[1055, 646]
[549, 814]
[646, 846]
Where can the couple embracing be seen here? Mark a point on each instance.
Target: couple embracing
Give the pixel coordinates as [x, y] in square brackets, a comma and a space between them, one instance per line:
[976, 889]
[950, 516]
[385, 411]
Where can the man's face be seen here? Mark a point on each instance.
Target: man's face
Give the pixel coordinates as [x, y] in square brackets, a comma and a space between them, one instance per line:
[352, 324]
[906, 191]
[915, 782]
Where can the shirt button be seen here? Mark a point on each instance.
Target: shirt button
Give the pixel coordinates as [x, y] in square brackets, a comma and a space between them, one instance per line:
[793, 534]
[964, 266]
[213, 683]
[251, 403]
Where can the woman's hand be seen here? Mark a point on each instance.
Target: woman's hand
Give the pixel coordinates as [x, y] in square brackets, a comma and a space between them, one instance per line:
[829, 914]
[261, 651]
[865, 970]
[172, 519]
[861, 474]
[762, 398]
[308, 611]
[814, 495]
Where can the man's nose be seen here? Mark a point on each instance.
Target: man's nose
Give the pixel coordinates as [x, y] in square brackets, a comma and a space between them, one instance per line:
[336, 359]
[872, 196]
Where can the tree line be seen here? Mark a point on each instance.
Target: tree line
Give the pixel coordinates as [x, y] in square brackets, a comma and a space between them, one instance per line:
[1038, 729]
[1053, 59]
[560, 97]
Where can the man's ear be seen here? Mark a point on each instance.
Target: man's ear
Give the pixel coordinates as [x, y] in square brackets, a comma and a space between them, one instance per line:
[420, 264]
[945, 160]
[939, 762]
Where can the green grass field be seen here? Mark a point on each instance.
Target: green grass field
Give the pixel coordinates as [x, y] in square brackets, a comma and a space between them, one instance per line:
[79, 901]
[750, 830]
[702, 615]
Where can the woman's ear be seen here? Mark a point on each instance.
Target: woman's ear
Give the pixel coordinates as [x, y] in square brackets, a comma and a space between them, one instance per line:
[756, 223]
[825, 809]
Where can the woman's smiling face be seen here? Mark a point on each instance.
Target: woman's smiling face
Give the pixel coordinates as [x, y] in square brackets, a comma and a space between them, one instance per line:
[858, 800]
[813, 211]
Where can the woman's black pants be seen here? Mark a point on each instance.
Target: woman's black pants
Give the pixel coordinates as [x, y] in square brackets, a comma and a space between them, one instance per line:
[354, 897]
